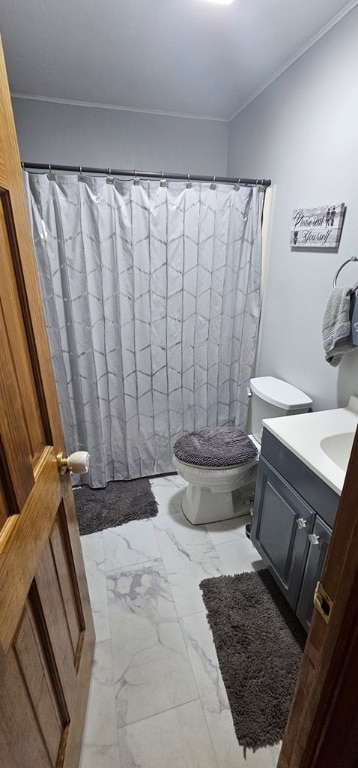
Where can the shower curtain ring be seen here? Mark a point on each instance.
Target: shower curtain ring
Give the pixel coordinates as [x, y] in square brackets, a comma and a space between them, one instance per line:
[109, 179]
[50, 175]
[189, 184]
[163, 181]
[135, 180]
[213, 185]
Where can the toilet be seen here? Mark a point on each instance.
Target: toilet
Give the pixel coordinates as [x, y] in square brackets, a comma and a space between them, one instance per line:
[217, 461]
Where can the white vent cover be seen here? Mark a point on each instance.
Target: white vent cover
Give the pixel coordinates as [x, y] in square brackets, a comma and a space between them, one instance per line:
[280, 393]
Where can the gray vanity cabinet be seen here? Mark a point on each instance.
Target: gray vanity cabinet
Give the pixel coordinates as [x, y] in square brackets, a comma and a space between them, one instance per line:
[292, 522]
[319, 541]
[280, 528]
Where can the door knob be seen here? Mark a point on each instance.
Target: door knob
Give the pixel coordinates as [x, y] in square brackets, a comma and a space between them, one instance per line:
[77, 462]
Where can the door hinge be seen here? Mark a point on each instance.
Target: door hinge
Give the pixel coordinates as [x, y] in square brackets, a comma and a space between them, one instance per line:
[323, 602]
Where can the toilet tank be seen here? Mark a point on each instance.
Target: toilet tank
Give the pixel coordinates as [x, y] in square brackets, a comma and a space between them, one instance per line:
[273, 397]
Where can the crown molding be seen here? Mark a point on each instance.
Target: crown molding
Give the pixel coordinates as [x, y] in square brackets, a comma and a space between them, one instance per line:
[336, 19]
[96, 105]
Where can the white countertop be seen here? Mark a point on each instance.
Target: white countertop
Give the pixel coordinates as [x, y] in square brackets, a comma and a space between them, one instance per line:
[309, 435]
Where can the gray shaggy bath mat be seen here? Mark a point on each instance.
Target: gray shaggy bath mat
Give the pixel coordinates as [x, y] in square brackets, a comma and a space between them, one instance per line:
[120, 502]
[259, 643]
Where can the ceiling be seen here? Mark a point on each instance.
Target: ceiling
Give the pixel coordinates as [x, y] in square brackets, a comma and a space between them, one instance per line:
[183, 57]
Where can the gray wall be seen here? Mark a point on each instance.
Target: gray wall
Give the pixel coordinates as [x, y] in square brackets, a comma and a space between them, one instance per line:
[303, 133]
[49, 132]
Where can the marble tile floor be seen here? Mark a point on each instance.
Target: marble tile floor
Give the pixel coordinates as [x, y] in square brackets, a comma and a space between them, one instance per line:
[157, 699]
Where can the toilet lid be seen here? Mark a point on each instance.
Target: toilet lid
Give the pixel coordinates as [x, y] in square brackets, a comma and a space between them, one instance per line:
[215, 447]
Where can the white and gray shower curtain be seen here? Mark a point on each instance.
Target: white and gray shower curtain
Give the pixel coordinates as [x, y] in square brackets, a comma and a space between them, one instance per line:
[152, 297]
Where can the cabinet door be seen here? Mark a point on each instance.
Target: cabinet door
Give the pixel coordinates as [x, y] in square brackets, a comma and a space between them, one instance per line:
[281, 523]
[313, 569]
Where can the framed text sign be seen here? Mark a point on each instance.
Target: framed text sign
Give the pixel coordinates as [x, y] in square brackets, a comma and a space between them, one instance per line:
[317, 227]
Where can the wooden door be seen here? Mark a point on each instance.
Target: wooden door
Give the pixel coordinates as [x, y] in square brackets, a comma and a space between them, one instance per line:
[46, 628]
[322, 728]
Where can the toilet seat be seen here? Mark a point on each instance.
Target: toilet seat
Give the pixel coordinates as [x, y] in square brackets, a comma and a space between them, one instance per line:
[215, 447]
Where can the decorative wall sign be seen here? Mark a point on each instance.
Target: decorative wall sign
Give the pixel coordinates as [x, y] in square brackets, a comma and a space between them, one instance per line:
[317, 227]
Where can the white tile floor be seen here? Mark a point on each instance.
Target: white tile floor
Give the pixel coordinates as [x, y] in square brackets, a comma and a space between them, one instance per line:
[157, 699]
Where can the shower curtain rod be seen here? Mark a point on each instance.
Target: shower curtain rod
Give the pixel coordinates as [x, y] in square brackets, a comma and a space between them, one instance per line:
[148, 174]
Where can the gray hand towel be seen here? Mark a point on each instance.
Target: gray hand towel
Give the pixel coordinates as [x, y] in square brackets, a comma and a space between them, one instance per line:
[336, 328]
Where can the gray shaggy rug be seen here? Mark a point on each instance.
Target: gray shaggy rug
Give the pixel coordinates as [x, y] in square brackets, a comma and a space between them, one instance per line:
[259, 643]
[120, 502]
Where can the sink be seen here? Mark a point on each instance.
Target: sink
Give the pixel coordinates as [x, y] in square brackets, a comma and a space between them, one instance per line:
[322, 440]
[338, 448]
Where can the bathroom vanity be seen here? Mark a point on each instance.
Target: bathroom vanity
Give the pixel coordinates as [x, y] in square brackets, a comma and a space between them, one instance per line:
[300, 477]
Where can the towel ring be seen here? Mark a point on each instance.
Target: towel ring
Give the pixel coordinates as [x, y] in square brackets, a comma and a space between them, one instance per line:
[353, 258]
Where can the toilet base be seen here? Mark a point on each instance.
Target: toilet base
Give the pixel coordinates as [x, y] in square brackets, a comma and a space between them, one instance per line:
[202, 505]
[211, 492]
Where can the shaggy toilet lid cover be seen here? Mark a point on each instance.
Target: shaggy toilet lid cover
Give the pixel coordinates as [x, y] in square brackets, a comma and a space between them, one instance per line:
[215, 447]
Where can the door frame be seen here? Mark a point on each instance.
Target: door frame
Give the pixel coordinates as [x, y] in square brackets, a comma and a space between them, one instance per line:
[322, 727]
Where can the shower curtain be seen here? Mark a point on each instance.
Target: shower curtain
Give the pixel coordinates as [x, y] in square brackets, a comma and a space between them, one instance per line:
[152, 298]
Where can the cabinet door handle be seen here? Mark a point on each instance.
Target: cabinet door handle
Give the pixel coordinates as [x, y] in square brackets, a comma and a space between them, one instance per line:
[301, 522]
[313, 538]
